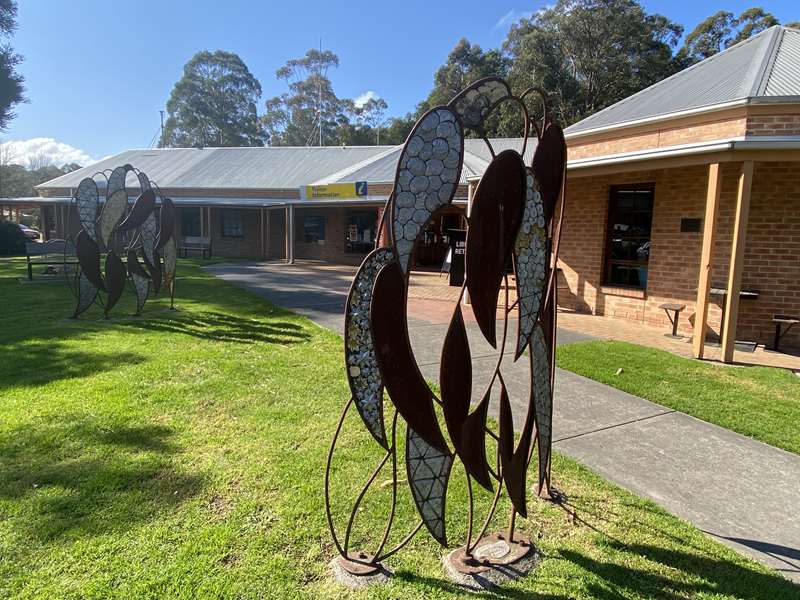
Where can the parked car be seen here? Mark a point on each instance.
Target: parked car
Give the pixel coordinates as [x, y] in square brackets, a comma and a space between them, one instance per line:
[29, 232]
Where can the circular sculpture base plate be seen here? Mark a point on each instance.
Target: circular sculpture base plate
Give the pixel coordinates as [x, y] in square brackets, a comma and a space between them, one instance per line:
[492, 551]
[358, 563]
[358, 570]
[494, 561]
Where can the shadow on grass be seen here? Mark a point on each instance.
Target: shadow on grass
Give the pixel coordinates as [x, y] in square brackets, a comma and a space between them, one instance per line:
[702, 575]
[69, 478]
[221, 327]
[452, 588]
[33, 364]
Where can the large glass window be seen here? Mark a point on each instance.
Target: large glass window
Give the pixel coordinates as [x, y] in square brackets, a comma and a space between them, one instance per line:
[232, 223]
[361, 229]
[190, 222]
[314, 229]
[630, 216]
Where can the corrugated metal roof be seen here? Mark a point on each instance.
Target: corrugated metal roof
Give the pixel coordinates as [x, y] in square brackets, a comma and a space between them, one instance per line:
[476, 158]
[228, 168]
[784, 77]
[274, 167]
[766, 64]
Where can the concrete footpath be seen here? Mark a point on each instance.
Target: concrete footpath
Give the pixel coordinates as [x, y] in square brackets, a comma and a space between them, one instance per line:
[740, 491]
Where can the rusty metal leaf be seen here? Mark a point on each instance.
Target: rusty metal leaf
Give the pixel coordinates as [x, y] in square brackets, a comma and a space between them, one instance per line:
[514, 461]
[87, 199]
[467, 431]
[363, 373]
[475, 102]
[88, 253]
[548, 165]
[428, 174]
[142, 208]
[428, 471]
[406, 386]
[543, 399]
[112, 212]
[166, 223]
[455, 377]
[531, 264]
[496, 214]
[170, 261]
[116, 181]
[472, 449]
[116, 275]
[86, 293]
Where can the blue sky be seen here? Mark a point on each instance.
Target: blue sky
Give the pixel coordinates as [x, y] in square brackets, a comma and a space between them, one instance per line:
[98, 72]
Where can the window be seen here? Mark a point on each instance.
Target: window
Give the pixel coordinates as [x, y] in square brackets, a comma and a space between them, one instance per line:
[630, 216]
[190, 222]
[232, 225]
[314, 229]
[362, 226]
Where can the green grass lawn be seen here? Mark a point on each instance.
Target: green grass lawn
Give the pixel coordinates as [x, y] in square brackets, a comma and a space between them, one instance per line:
[760, 402]
[181, 454]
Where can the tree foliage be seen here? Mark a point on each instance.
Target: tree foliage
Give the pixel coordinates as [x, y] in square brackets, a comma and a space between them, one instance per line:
[589, 54]
[214, 104]
[11, 82]
[722, 30]
[18, 181]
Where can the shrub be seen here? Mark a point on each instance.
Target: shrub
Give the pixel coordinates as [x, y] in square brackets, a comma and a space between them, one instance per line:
[12, 240]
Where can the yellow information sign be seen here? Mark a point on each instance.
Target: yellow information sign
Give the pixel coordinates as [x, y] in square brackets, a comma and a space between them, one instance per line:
[335, 191]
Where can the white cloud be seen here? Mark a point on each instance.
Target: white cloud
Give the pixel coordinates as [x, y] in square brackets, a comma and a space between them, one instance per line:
[365, 97]
[42, 151]
[510, 17]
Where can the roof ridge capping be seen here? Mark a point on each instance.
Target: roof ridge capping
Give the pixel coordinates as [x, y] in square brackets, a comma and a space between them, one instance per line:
[754, 81]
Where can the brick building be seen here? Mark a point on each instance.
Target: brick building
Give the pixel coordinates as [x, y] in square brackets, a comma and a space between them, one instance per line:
[687, 192]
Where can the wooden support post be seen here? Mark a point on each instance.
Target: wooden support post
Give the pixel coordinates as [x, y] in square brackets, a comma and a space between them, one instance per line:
[267, 236]
[704, 279]
[202, 221]
[290, 233]
[737, 260]
[261, 228]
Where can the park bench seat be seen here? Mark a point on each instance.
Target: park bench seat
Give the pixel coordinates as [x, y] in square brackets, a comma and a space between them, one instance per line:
[201, 245]
[780, 321]
[50, 253]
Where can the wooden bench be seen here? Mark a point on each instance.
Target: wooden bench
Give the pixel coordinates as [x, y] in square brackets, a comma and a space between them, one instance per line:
[780, 321]
[198, 244]
[676, 309]
[50, 253]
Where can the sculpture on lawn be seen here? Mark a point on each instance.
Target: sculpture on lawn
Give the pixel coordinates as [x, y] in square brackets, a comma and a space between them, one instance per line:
[512, 220]
[125, 234]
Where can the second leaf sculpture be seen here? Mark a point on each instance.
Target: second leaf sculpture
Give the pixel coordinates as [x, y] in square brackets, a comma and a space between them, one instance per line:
[511, 222]
[114, 229]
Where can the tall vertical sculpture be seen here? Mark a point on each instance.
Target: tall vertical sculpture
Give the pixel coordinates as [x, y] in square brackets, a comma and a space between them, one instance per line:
[512, 221]
[124, 234]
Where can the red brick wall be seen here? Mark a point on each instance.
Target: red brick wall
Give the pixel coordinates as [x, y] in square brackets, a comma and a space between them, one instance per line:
[772, 255]
[788, 124]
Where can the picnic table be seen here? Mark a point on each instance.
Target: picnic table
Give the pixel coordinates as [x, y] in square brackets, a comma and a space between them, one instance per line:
[744, 294]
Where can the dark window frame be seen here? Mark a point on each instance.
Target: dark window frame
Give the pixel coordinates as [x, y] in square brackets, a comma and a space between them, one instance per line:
[185, 211]
[231, 211]
[323, 223]
[611, 219]
[353, 217]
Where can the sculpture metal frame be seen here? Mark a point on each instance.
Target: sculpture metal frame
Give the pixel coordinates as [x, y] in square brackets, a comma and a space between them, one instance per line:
[512, 219]
[121, 230]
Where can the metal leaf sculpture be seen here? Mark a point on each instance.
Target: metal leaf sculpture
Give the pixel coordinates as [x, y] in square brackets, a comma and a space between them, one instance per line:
[116, 234]
[511, 224]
